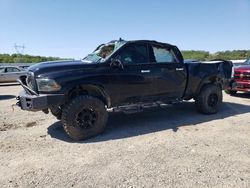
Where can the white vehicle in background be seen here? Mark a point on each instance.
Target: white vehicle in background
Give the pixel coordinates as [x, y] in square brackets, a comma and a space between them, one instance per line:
[11, 73]
[237, 63]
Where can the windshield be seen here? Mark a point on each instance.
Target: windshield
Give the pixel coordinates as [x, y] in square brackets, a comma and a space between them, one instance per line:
[247, 62]
[103, 52]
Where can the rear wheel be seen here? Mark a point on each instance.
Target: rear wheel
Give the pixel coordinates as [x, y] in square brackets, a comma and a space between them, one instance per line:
[231, 92]
[209, 100]
[84, 117]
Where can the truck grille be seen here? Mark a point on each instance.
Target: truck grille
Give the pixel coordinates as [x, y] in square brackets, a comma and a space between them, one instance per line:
[242, 75]
[30, 81]
[246, 78]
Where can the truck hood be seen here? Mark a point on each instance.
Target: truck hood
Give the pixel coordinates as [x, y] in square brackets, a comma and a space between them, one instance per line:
[57, 66]
[243, 68]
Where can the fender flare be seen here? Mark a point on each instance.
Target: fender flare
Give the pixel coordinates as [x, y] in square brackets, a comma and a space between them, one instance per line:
[88, 86]
[215, 79]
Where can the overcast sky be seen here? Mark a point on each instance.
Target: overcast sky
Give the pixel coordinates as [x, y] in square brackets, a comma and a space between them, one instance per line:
[74, 28]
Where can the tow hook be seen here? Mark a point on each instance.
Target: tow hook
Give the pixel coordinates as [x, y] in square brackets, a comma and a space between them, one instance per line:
[18, 104]
[18, 101]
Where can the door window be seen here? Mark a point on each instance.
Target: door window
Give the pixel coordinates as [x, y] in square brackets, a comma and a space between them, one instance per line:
[2, 70]
[134, 54]
[163, 55]
[12, 69]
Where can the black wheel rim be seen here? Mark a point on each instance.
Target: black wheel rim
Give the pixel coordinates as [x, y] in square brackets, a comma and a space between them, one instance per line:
[212, 100]
[86, 119]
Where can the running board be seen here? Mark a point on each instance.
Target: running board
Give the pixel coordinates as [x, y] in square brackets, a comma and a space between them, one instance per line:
[135, 108]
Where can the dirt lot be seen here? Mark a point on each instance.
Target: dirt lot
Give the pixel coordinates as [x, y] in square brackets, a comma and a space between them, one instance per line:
[168, 147]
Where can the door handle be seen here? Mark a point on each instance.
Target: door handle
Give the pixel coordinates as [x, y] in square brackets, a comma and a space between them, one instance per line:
[145, 71]
[179, 69]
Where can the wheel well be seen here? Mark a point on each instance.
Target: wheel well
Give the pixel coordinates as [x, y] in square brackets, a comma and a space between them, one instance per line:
[91, 90]
[212, 80]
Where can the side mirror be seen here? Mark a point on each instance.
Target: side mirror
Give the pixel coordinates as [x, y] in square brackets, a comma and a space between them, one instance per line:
[116, 63]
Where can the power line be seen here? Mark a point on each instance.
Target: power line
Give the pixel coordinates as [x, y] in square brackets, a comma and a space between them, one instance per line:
[19, 51]
[19, 48]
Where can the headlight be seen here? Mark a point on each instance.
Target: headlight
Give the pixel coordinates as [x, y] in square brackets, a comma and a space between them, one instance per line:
[45, 84]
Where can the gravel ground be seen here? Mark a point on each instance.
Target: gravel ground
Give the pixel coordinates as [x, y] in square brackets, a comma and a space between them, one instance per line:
[165, 147]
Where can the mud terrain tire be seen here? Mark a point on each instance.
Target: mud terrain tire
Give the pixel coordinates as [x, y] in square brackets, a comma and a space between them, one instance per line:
[209, 99]
[84, 117]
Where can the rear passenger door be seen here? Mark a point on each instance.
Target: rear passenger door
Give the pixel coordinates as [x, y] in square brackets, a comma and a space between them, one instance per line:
[170, 75]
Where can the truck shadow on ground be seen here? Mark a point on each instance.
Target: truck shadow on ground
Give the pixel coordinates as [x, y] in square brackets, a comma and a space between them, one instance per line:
[153, 120]
[6, 97]
[9, 84]
[242, 95]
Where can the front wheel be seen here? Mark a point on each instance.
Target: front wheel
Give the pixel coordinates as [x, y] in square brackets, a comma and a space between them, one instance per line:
[209, 100]
[84, 117]
[56, 111]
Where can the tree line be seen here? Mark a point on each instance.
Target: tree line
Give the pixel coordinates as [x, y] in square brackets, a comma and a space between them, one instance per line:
[227, 55]
[187, 54]
[18, 58]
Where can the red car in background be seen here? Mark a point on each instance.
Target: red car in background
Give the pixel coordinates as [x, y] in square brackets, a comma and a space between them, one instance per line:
[241, 79]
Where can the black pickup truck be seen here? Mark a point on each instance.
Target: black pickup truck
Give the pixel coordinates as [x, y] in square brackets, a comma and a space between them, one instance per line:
[119, 74]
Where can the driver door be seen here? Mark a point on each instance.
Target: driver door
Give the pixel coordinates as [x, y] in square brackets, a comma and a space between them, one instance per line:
[133, 81]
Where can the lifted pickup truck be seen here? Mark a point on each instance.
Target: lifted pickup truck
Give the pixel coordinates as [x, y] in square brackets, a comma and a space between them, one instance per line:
[117, 75]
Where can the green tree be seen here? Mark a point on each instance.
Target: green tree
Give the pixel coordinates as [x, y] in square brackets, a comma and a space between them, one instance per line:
[17, 58]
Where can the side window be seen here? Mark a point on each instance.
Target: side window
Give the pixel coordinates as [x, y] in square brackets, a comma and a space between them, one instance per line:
[163, 55]
[12, 69]
[2, 70]
[134, 54]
